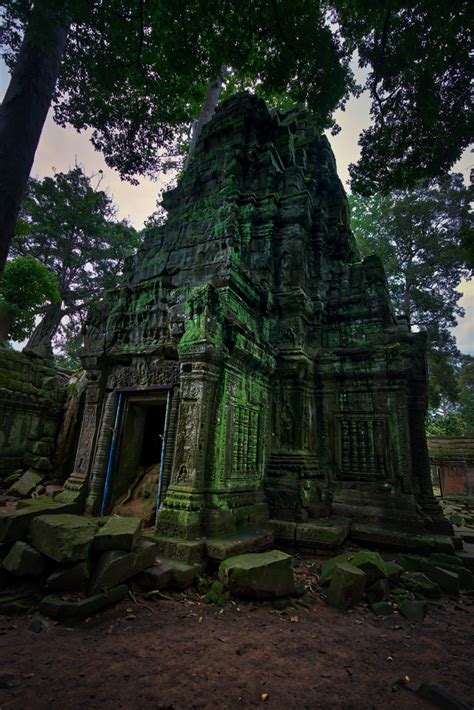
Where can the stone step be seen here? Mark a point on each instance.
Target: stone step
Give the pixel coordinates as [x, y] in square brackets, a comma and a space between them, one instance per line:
[188, 551]
[220, 548]
[168, 573]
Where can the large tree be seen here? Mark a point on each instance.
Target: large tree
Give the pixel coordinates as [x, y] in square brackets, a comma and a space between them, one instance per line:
[70, 228]
[418, 233]
[137, 73]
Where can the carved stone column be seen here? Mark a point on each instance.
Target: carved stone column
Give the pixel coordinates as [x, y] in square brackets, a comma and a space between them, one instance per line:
[99, 466]
[181, 512]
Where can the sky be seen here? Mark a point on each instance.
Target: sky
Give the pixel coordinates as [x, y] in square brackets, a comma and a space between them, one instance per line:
[60, 148]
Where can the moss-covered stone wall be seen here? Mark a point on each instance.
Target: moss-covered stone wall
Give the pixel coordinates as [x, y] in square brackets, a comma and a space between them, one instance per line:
[32, 396]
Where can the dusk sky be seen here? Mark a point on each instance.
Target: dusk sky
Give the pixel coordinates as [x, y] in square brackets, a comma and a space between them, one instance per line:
[60, 148]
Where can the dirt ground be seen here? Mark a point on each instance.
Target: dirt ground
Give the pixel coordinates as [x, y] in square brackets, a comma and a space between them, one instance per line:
[176, 652]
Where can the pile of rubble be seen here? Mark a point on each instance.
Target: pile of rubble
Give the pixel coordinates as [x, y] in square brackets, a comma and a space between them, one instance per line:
[404, 584]
[73, 565]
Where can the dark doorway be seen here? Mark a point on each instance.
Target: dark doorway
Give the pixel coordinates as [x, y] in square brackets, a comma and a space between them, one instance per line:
[140, 446]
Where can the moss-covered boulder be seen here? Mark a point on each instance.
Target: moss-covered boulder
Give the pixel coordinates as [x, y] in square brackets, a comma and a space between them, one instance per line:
[328, 566]
[24, 561]
[378, 591]
[118, 533]
[446, 580]
[258, 575]
[347, 586]
[63, 538]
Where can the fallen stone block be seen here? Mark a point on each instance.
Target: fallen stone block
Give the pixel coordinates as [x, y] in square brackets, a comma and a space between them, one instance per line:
[381, 608]
[258, 575]
[16, 604]
[14, 524]
[441, 558]
[447, 581]
[418, 583]
[413, 610]
[63, 538]
[118, 533]
[393, 572]
[68, 578]
[63, 610]
[27, 483]
[411, 563]
[24, 561]
[115, 567]
[378, 591]
[347, 586]
[371, 563]
[328, 566]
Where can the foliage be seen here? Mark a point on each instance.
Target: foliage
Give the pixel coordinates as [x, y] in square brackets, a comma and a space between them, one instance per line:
[448, 424]
[72, 232]
[420, 63]
[418, 235]
[123, 77]
[25, 286]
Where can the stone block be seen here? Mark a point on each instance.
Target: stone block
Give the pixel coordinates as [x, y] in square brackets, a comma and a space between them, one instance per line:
[188, 551]
[413, 610]
[347, 586]
[241, 543]
[323, 534]
[447, 581]
[115, 567]
[24, 561]
[14, 524]
[411, 563]
[16, 604]
[393, 572]
[381, 608]
[328, 566]
[156, 577]
[284, 531]
[68, 578]
[371, 563]
[63, 538]
[63, 610]
[258, 575]
[118, 533]
[378, 591]
[441, 559]
[420, 584]
[27, 483]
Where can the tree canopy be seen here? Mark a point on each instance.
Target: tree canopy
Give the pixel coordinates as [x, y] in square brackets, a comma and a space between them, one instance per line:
[418, 233]
[26, 286]
[136, 74]
[71, 230]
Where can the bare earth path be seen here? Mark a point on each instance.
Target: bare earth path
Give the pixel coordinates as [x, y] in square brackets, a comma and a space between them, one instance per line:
[179, 653]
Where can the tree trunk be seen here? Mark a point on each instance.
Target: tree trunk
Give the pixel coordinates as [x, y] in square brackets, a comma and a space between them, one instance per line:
[208, 107]
[22, 116]
[45, 330]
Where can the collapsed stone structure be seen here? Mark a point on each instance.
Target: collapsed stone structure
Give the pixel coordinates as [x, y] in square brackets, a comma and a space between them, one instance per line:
[252, 363]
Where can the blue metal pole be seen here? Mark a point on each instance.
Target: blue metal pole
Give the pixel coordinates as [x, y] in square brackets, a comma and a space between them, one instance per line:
[112, 449]
[162, 461]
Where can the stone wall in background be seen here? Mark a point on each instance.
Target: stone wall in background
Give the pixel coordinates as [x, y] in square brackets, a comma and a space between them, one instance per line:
[32, 397]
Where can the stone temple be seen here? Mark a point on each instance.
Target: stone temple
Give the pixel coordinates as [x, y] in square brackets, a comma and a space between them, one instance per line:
[251, 374]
